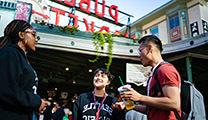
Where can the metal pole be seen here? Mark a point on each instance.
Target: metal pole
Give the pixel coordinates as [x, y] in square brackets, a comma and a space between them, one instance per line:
[189, 69]
[129, 27]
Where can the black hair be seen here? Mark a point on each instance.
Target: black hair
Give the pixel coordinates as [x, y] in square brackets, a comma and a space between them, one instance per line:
[11, 32]
[60, 102]
[154, 39]
[105, 71]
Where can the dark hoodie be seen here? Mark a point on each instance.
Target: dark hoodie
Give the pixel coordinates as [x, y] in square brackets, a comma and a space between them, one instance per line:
[18, 85]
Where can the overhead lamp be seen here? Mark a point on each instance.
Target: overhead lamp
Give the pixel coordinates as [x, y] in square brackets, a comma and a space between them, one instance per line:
[90, 70]
[74, 82]
[67, 69]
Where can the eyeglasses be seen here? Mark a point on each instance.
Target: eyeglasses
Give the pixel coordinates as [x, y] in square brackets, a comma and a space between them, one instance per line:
[33, 33]
[140, 50]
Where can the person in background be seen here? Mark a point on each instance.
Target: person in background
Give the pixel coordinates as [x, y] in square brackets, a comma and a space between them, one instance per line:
[97, 104]
[162, 103]
[68, 114]
[58, 111]
[18, 80]
[135, 115]
[47, 113]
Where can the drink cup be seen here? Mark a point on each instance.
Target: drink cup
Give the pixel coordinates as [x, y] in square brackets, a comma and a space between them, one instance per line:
[129, 103]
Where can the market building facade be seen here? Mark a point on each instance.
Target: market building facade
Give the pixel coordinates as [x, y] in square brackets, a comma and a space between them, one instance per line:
[174, 21]
[66, 47]
[63, 54]
[182, 25]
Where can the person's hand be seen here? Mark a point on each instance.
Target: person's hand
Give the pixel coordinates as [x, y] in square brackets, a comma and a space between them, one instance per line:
[119, 105]
[43, 105]
[131, 94]
[54, 109]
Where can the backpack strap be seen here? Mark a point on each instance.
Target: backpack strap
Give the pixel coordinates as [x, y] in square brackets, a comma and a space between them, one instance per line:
[158, 87]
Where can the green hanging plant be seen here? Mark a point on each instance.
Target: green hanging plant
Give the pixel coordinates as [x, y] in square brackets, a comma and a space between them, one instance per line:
[71, 29]
[99, 40]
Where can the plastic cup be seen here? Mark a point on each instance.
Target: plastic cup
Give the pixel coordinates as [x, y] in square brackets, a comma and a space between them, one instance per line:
[129, 103]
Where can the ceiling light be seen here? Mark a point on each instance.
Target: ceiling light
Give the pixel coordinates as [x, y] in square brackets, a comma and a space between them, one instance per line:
[74, 82]
[67, 69]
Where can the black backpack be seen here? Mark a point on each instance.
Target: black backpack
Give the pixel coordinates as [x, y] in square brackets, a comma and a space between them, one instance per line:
[192, 101]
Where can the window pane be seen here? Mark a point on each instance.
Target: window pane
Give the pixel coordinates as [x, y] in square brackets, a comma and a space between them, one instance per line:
[174, 27]
[154, 30]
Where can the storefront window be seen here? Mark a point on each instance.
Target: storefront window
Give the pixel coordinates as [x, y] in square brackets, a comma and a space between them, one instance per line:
[184, 23]
[154, 31]
[174, 27]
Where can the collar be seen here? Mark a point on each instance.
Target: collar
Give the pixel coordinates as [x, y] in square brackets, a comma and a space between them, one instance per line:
[153, 69]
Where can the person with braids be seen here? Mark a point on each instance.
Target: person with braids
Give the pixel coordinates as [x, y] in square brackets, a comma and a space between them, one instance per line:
[18, 80]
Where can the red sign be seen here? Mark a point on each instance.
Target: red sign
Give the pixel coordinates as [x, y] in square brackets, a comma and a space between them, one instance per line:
[85, 6]
[175, 34]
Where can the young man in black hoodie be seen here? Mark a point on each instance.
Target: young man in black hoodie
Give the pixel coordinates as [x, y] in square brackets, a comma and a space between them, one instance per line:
[97, 104]
[18, 80]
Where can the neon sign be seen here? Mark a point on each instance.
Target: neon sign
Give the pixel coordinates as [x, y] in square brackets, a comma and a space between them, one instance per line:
[84, 6]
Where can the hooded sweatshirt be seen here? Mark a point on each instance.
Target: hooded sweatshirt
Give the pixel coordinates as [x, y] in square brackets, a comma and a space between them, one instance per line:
[18, 85]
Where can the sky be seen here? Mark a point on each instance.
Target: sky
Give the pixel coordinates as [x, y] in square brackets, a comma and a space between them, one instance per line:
[137, 8]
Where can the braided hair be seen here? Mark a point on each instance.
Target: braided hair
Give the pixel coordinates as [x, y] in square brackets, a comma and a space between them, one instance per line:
[11, 32]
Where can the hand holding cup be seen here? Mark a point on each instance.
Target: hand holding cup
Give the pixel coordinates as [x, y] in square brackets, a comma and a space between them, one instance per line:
[128, 103]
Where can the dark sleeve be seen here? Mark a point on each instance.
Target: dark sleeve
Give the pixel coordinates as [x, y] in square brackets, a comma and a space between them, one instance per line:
[118, 114]
[75, 109]
[58, 115]
[11, 94]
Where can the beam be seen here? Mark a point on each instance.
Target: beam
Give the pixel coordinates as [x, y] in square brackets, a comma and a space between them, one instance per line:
[181, 56]
[177, 57]
[196, 55]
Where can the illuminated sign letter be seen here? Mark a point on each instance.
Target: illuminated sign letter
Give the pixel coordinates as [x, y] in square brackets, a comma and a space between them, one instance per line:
[87, 9]
[70, 3]
[103, 9]
[107, 29]
[75, 19]
[115, 16]
[87, 26]
[58, 12]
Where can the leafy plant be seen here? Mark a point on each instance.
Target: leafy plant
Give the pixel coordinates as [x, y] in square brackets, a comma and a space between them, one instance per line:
[99, 40]
[71, 29]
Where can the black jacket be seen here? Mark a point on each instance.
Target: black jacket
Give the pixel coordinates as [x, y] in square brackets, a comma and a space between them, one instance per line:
[85, 108]
[58, 115]
[18, 85]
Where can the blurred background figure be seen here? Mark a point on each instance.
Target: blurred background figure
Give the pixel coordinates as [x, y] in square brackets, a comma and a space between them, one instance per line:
[68, 114]
[57, 111]
[135, 115]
